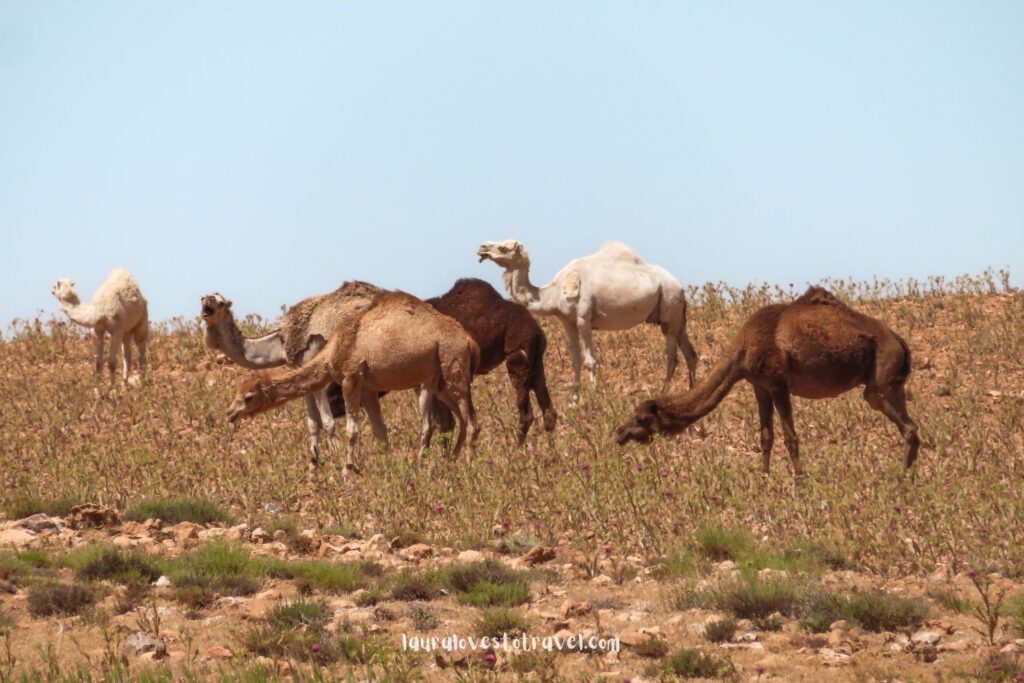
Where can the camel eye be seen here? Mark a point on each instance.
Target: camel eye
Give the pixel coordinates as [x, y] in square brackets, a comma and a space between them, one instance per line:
[249, 397]
[502, 249]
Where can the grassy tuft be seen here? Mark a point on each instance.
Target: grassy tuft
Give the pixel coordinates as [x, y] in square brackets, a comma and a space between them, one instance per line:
[104, 563]
[497, 621]
[300, 613]
[691, 663]
[410, 587]
[19, 507]
[176, 510]
[721, 630]
[54, 599]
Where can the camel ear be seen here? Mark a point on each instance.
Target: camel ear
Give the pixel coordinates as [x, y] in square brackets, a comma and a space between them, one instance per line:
[518, 248]
[227, 302]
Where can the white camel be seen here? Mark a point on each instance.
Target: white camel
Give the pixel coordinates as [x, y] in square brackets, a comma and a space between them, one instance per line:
[613, 289]
[118, 309]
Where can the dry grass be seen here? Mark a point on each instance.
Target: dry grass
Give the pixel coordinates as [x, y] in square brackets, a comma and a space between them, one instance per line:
[62, 430]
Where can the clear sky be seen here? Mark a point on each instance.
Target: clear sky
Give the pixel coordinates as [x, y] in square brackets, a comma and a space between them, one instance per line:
[270, 150]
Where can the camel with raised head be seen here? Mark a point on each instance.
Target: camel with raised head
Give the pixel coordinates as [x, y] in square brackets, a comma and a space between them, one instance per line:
[613, 289]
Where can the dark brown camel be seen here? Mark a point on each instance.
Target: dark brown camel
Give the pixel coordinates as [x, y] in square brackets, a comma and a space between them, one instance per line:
[814, 347]
[506, 333]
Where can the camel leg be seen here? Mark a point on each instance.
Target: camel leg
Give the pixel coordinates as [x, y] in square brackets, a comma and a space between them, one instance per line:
[314, 425]
[100, 339]
[126, 355]
[671, 357]
[323, 407]
[380, 430]
[454, 405]
[589, 359]
[780, 397]
[894, 406]
[426, 405]
[353, 394]
[519, 376]
[764, 412]
[115, 344]
[141, 342]
[572, 335]
[539, 385]
[689, 355]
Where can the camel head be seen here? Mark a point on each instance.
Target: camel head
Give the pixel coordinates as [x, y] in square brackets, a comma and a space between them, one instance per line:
[214, 307]
[509, 254]
[251, 398]
[647, 421]
[64, 290]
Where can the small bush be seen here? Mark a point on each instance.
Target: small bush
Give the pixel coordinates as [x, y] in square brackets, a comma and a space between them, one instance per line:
[756, 600]
[423, 618]
[679, 564]
[719, 544]
[518, 544]
[51, 599]
[34, 557]
[410, 587]
[871, 610]
[300, 613]
[721, 630]
[98, 563]
[332, 577]
[487, 594]
[497, 621]
[690, 663]
[1014, 609]
[651, 648]
[949, 599]
[175, 510]
[371, 597]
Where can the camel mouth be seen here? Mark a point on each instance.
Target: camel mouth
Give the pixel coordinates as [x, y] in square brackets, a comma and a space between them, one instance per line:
[233, 416]
[207, 310]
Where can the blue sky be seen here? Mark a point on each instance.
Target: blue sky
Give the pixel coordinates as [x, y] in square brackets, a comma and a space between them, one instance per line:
[272, 150]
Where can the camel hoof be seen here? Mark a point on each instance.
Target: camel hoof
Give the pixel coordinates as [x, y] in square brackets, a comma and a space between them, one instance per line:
[351, 467]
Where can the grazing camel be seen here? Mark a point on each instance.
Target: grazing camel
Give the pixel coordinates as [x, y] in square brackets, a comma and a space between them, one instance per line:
[119, 309]
[397, 343]
[813, 347]
[304, 331]
[506, 333]
[613, 289]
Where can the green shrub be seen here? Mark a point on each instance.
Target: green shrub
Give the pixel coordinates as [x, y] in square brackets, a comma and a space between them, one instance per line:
[690, 663]
[410, 587]
[51, 599]
[20, 507]
[104, 563]
[497, 621]
[176, 510]
[300, 613]
[721, 630]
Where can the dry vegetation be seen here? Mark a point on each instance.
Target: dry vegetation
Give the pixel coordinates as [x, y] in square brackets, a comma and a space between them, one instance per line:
[678, 506]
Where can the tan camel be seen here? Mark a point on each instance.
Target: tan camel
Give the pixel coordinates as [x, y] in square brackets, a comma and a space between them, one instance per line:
[399, 342]
[303, 333]
[813, 347]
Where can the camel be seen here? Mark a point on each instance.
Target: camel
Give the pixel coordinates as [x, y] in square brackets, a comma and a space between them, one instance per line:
[813, 347]
[399, 342]
[506, 333]
[119, 309]
[613, 289]
[304, 331]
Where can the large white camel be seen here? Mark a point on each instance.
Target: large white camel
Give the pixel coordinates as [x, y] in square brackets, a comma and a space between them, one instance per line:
[613, 289]
[118, 309]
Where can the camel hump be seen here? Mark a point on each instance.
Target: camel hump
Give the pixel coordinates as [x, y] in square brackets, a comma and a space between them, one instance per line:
[358, 288]
[819, 295]
[620, 252]
[571, 286]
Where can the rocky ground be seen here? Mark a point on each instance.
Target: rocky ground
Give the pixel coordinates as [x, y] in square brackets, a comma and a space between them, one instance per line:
[569, 594]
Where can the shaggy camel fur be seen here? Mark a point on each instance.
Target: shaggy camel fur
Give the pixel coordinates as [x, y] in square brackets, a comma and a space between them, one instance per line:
[506, 333]
[304, 331]
[613, 289]
[118, 309]
[813, 347]
[397, 343]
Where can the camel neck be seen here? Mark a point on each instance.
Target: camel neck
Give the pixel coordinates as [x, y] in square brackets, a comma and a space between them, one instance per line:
[253, 353]
[519, 287]
[79, 313]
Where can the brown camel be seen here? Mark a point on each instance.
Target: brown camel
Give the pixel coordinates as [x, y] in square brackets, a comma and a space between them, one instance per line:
[813, 347]
[399, 342]
[506, 333]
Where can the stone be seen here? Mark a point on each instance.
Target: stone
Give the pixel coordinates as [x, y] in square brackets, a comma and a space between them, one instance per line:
[39, 523]
[379, 543]
[162, 582]
[280, 535]
[470, 556]
[218, 652]
[258, 535]
[602, 580]
[140, 643]
[961, 645]
[575, 610]
[17, 538]
[538, 554]
[840, 625]
[417, 551]
[239, 532]
[926, 638]
[91, 516]
[185, 531]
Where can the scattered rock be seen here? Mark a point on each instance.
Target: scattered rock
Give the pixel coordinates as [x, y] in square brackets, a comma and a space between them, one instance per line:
[18, 538]
[602, 580]
[218, 652]
[575, 610]
[538, 554]
[258, 535]
[961, 645]
[140, 643]
[39, 523]
[185, 531]
[92, 516]
[470, 556]
[926, 638]
[162, 582]
[417, 551]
